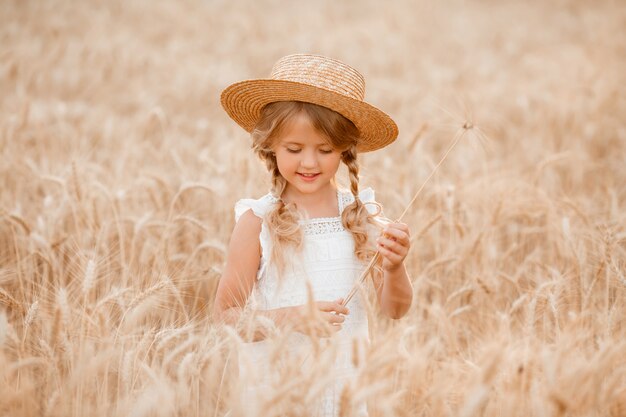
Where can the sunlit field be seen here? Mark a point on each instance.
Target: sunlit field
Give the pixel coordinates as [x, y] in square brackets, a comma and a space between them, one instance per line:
[119, 172]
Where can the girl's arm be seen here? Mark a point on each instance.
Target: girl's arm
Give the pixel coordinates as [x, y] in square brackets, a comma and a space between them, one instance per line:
[242, 262]
[395, 292]
[239, 277]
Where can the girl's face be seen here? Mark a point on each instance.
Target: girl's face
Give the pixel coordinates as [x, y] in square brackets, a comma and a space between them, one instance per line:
[304, 157]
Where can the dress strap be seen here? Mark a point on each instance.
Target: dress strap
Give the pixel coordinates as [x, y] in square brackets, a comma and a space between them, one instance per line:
[367, 196]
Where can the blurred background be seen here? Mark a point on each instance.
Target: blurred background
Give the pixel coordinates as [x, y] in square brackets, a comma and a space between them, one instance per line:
[119, 171]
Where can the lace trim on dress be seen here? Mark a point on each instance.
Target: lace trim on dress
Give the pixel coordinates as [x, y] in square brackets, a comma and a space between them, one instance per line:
[322, 226]
[315, 226]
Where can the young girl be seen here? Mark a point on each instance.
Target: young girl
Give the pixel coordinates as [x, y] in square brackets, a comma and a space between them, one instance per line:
[296, 252]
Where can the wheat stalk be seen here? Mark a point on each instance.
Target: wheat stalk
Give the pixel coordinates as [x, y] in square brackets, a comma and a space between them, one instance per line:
[361, 280]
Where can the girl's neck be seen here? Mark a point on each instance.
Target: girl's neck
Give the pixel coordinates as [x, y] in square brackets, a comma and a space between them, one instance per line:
[322, 203]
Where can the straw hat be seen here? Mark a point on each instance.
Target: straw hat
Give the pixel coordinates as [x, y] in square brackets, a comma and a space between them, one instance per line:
[312, 79]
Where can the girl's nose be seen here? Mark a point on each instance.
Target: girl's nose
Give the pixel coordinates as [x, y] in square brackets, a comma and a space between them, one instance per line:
[309, 160]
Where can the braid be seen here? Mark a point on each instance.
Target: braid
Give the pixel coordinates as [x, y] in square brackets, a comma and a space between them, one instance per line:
[349, 158]
[278, 181]
[283, 218]
[355, 217]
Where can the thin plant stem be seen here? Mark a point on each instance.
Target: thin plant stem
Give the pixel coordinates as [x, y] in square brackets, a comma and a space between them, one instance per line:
[376, 256]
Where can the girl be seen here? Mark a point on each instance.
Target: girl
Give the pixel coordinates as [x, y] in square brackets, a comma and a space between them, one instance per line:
[297, 251]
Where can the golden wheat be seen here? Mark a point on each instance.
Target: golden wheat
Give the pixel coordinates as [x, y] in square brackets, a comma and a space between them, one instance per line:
[119, 172]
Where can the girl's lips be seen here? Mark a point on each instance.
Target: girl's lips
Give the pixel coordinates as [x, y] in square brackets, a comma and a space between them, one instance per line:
[309, 178]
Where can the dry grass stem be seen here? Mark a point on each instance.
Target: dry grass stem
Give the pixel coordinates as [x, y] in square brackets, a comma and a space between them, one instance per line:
[119, 172]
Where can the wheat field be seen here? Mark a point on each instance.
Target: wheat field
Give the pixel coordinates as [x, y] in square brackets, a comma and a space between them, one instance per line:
[119, 172]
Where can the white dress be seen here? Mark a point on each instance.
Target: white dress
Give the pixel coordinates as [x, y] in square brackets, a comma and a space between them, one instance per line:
[328, 266]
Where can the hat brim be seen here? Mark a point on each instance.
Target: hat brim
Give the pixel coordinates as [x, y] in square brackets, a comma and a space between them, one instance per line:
[243, 101]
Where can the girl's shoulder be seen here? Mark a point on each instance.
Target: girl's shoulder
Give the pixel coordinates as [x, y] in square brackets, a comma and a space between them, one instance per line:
[258, 206]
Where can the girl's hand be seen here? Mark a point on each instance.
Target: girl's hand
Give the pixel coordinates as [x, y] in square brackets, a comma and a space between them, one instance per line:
[394, 244]
[324, 320]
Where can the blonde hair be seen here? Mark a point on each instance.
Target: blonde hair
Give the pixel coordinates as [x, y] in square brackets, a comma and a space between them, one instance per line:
[342, 135]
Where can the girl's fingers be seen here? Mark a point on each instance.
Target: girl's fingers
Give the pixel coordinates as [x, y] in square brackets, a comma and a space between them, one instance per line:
[393, 246]
[335, 306]
[394, 243]
[398, 227]
[325, 305]
[392, 257]
[334, 318]
[338, 308]
[398, 235]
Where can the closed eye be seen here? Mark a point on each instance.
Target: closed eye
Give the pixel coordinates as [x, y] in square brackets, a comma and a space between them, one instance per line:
[293, 150]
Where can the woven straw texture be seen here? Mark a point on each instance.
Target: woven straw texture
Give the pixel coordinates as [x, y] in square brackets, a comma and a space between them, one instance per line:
[312, 79]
